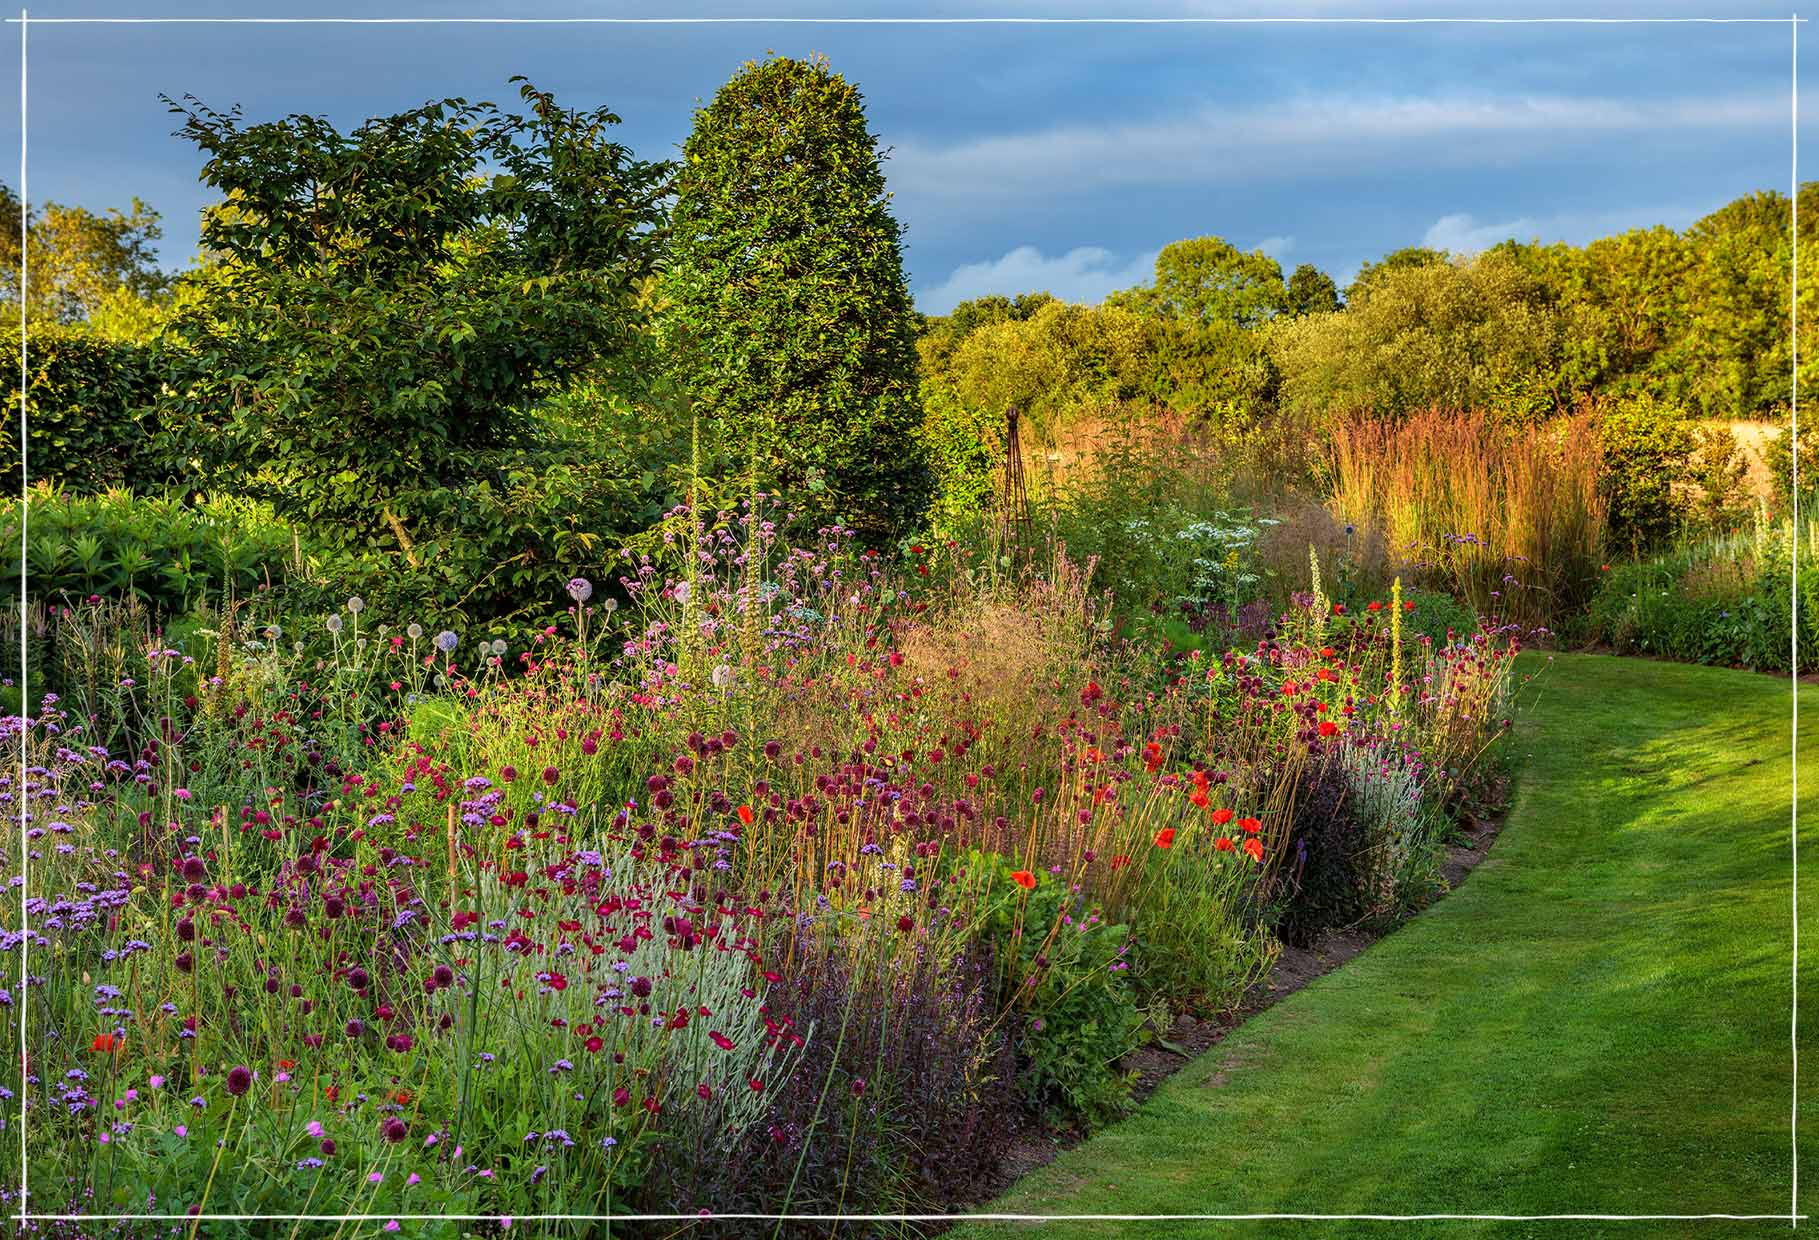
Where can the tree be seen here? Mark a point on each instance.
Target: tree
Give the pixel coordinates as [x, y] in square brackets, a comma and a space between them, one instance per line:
[1484, 333]
[1395, 260]
[787, 314]
[78, 262]
[1311, 291]
[1208, 280]
[382, 303]
[1734, 352]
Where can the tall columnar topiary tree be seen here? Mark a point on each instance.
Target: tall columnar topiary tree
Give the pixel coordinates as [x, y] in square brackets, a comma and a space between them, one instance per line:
[786, 312]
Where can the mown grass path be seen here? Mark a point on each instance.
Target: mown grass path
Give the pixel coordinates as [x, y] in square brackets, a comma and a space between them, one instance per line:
[1596, 1021]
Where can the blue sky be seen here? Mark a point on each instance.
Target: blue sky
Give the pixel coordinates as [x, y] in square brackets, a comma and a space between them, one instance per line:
[1024, 157]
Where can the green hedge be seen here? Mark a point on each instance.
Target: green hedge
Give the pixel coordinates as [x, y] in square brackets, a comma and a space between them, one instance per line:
[85, 414]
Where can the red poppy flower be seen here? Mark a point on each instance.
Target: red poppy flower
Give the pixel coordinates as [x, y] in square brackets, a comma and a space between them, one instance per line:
[745, 814]
[1024, 879]
[1120, 861]
[1223, 843]
[106, 1042]
[1254, 847]
[1250, 826]
[1374, 606]
[1328, 728]
[1221, 816]
[1198, 797]
[1165, 838]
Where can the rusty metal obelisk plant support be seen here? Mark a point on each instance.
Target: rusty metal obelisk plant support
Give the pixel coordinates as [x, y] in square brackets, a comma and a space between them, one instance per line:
[1013, 497]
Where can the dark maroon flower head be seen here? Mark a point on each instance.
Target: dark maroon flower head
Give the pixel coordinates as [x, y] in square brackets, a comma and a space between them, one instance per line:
[641, 986]
[443, 975]
[395, 1130]
[186, 931]
[353, 1028]
[357, 978]
[328, 1146]
[334, 906]
[239, 1079]
[193, 869]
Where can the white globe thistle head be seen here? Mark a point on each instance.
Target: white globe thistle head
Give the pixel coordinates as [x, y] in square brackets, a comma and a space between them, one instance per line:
[722, 676]
[499, 645]
[273, 632]
[580, 589]
[361, 644]
[447, 641]
[334, 624]
[413, 630]
[611, 605]
[682, 591]
[356, 605]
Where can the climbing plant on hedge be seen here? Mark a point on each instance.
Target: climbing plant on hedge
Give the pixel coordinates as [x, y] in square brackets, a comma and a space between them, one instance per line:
[786, 313]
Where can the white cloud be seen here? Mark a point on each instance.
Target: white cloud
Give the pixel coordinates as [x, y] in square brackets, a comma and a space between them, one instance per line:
[1277, 248]
[1325, 133]
[1085, 274]
[1462, 232]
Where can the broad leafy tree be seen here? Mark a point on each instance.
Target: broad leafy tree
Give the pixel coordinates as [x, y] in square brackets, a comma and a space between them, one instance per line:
[1208, 280]
[786, 313]
[1311, 291]
[380, 304]
[78, 263]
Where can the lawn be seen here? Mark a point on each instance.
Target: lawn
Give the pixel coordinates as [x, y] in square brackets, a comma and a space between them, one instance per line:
[1595, 1022]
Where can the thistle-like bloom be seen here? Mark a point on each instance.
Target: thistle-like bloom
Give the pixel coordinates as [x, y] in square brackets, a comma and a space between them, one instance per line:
[447, 641]
[580, 589]
[334, 624]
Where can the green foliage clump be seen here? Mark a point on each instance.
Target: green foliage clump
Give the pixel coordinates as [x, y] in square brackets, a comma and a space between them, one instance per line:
[381, 304]
[1648, 446]
[1068, 985]
[1726, 600]
[169, 554]
[1480, 334]
[785, 313]
[1209, 280]
[86, 426]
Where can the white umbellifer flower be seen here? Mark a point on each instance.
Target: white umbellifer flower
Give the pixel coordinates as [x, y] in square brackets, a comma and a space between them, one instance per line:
[356, 605]
[334, 624]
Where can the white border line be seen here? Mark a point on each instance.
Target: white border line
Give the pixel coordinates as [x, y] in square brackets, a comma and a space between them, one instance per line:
[908, 21]
[1793, 1217]
[25, 930]
[1794, 612]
